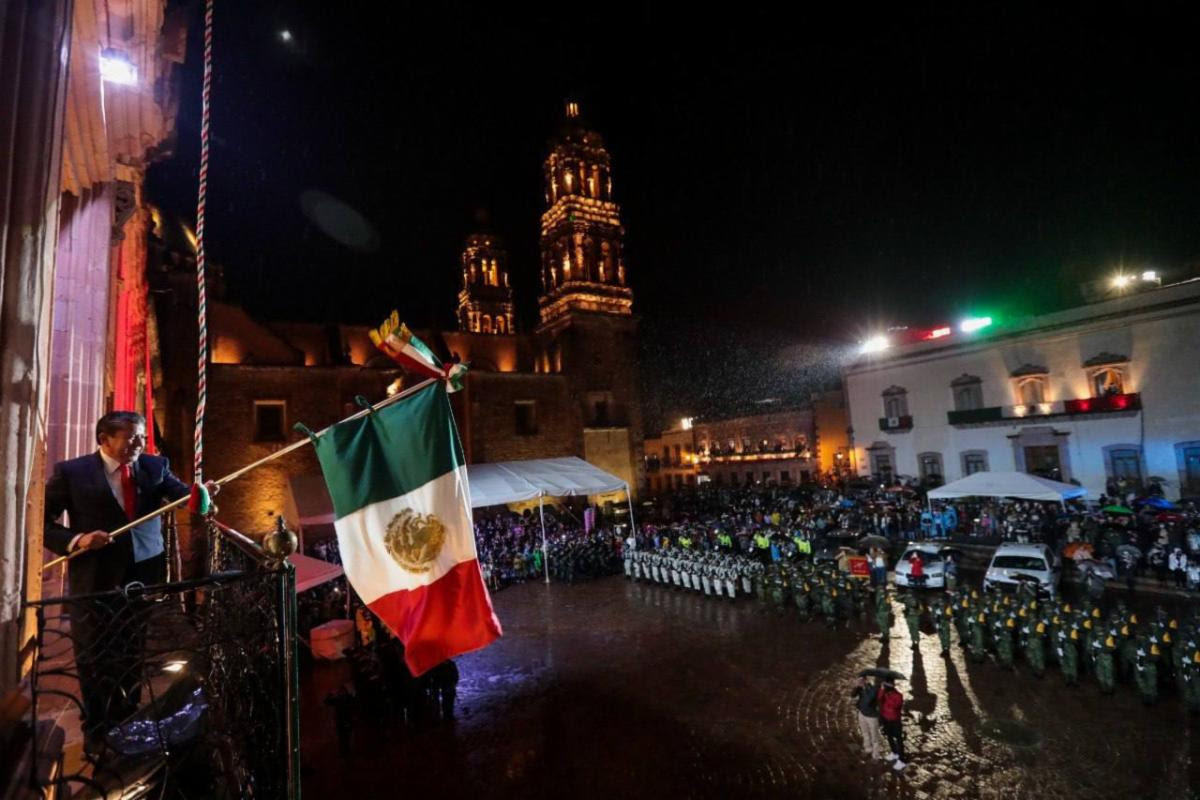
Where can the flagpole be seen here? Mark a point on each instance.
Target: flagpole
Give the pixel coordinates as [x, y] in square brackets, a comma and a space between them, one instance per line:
[174, 504]
[629, 499]
[545, 552]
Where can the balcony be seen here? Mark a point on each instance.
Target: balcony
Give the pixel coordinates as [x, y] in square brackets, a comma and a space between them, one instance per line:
[975, 415]
[726, 456]
[199, 696]
[895, 424]
[1110, 404]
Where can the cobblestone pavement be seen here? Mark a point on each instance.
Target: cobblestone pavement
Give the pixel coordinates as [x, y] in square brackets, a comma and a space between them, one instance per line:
[614, 689]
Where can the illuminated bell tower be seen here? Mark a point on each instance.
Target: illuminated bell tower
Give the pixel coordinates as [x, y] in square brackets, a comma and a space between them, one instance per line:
[485, 301]
[587, 332]
[583, 266]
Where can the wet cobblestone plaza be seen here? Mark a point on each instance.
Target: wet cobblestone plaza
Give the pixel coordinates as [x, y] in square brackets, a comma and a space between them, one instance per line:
[620, 689]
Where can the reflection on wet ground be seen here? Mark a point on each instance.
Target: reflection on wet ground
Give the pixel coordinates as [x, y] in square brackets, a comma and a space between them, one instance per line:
[615, 689]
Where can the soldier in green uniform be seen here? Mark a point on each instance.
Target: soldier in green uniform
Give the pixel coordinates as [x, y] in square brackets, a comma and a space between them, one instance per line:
[1003, 634]
[826, 595]
[962, 616]
[800, 594]
[978, 648]
[1104, 646]
[1145, 658]
[775, 588]
[944, 613]
[883, 610]
[1191, 680]
[1089, 632]
[1035, 646]
[912, 616]
[1127, 653]
[1068, 656]
[1054, 619]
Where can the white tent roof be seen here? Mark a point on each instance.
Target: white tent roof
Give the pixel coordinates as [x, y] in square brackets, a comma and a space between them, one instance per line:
[1008, 484]
[514, 481]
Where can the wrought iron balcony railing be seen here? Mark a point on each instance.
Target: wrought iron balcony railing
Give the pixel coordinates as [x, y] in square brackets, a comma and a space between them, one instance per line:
[186, 689]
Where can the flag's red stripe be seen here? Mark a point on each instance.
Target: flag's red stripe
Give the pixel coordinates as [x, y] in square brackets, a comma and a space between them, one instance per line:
[451, 616]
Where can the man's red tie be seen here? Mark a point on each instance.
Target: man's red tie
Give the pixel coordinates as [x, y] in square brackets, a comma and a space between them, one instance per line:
[129, 491]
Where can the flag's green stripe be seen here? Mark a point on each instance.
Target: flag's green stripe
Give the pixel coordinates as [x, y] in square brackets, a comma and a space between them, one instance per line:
[390, 452]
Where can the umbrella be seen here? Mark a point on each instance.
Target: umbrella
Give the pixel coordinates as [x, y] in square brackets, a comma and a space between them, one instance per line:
[1078, 550]
[1128, 548]
[1116, 510]
[881, 672]
[1100, 569]
[1160, 503]
[873, 541]
[847, 503]
[1168, 516]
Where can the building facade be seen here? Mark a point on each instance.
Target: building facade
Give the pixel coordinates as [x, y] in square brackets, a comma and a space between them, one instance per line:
[778, 448]
[1100, 395]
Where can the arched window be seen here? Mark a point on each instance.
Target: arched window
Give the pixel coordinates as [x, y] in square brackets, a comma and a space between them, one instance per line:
[499, 328]
[486, 326]
[930, 466]
[968, 393]
[1031, 390]
[895, 402]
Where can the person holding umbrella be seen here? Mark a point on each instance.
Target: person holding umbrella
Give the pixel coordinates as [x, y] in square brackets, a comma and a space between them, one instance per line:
[866, 705]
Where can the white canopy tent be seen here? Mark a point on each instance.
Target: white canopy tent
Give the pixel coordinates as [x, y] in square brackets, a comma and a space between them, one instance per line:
[1008, 484]
[516, 481]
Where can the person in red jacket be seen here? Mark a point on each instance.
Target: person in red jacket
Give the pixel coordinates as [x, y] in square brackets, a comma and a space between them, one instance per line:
[891, 702]
[917, 573]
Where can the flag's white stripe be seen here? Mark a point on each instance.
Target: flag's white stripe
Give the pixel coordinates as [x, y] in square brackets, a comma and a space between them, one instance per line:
[365, 556]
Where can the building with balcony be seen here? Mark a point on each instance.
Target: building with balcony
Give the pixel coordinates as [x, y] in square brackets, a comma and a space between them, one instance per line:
[780, 448]
[1106, 393]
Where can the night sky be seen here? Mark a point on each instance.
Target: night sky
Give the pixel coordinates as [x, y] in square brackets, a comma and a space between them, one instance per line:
[787, 185]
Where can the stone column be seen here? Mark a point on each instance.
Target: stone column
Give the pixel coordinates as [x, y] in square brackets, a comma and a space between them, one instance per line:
[34, 45]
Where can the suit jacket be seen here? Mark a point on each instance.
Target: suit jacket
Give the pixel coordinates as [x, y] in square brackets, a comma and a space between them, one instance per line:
[80, 487]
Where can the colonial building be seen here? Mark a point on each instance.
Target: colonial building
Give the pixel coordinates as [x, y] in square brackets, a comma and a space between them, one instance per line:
[780, 448]
[1106, 392]
[567, 388]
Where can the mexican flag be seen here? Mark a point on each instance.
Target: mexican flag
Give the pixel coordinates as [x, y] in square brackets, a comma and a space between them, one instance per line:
[402, 512]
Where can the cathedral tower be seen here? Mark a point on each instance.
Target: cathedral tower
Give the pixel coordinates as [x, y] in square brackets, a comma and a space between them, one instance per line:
[583, 266]
[587, 330]
[485, 301]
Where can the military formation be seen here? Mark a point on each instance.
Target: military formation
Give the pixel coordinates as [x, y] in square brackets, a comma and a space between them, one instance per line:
[583, 558]
[1118, 647]
[819, 590]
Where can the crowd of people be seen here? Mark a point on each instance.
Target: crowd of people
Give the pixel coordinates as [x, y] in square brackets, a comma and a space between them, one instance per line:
[510, 548]
[1148, 538]
[382, 692]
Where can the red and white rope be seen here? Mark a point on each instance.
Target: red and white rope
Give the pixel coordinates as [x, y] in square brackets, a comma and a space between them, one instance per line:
[201, 288]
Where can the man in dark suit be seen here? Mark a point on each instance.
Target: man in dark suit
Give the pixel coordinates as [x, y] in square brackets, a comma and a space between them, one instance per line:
[102, 492]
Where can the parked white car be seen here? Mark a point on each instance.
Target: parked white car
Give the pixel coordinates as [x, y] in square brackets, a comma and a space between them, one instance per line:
[933, 566]
[1034, 560]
